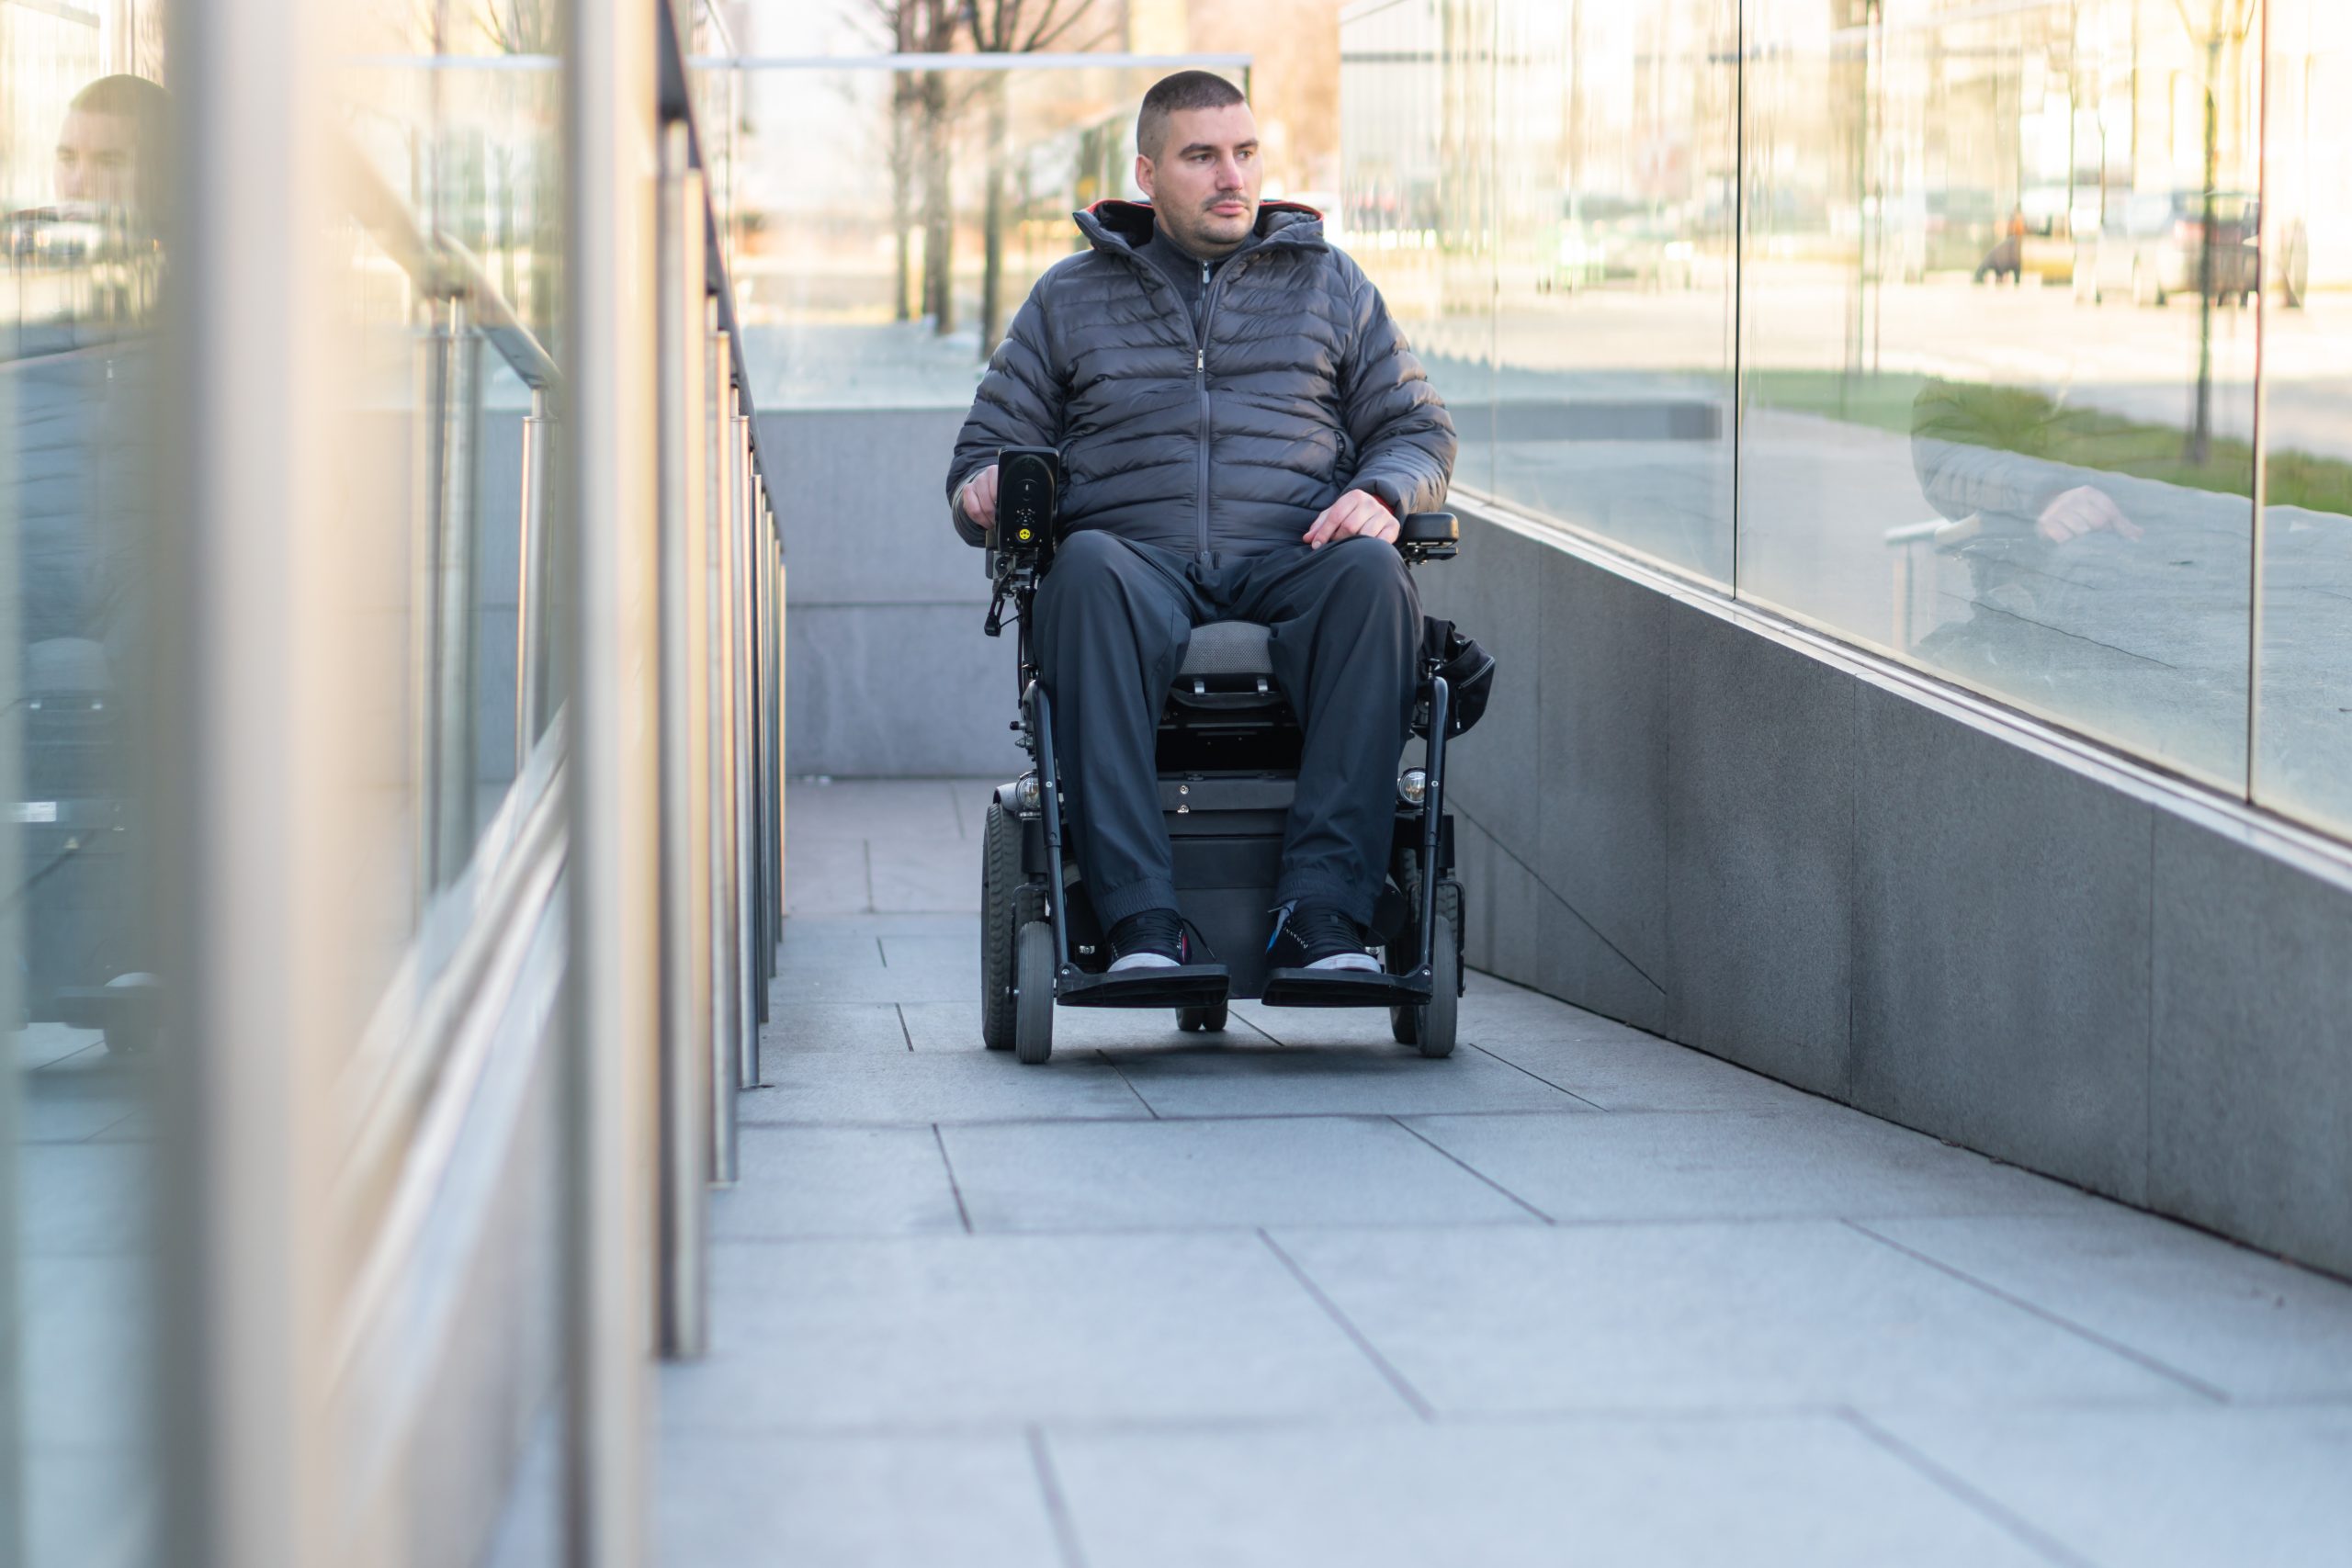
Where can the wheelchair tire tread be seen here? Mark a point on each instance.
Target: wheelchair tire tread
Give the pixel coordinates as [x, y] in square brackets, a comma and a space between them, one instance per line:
[999, 924]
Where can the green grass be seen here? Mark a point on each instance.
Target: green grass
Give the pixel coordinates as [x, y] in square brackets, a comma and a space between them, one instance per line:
[2013, 419]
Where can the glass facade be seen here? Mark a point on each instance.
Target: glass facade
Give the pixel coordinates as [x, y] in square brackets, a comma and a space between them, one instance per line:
[291, 547]
[86, 188]
[2001, 339]
[884, 223]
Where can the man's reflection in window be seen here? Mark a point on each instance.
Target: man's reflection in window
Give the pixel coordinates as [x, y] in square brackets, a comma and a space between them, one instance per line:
[81, 501]
[2112, 597]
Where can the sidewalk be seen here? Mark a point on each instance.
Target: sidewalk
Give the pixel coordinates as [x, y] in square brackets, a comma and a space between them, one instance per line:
[1296, 1296]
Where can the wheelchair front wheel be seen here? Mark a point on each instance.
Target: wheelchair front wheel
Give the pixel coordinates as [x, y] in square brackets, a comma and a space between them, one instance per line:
[1033, 1023]
[1209, 1020]
[1431, 1025]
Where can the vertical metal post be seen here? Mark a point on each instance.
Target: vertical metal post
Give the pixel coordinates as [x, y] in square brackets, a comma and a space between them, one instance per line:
[747, 496]
[755, 644]
[685, 1158]
[531, 585]
[725, 939]
[780, 628]
[266, 694]
[772, 795]
[717, 488]
[450, 783]
[612, 1015]
[750, 972]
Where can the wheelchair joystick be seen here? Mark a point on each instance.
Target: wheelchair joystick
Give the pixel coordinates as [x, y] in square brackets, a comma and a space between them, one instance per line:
[1021, 540]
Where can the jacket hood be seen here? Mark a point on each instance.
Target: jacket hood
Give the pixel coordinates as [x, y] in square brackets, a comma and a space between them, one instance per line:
[1127, 224]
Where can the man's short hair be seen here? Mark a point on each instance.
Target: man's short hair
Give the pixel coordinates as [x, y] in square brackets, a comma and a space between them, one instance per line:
[1186, 90]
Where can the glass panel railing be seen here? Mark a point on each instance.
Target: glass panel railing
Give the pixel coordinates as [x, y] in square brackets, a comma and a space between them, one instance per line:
[86, 188]
[1989, 280]
[1995, 423]
[2303, 712]
[885, 224]
[1618, 152]
[1418, 143]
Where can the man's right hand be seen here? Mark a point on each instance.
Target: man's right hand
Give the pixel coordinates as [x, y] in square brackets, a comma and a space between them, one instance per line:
[979, 498]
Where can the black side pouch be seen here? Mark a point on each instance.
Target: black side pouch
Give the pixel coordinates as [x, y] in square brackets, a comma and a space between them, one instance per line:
[1469, 672]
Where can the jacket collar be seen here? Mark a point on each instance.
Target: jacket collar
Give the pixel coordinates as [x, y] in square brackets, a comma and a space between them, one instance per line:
[1120, 228]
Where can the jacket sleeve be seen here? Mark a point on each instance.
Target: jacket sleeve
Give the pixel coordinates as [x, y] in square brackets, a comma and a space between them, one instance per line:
[1019, 404]
[1403, 438]
[1980, 454]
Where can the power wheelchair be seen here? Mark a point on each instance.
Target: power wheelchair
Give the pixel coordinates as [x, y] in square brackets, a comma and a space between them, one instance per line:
[1227, 759]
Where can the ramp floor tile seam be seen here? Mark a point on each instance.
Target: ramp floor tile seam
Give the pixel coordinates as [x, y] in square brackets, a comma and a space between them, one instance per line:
[2194, 1384]
[1456, 1420]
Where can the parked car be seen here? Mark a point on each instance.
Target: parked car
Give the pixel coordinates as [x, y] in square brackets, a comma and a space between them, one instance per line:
[2151, 246]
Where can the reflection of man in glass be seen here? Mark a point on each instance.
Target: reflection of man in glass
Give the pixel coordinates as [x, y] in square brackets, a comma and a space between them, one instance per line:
[79, 501]
[2100, 579]
[110, 152]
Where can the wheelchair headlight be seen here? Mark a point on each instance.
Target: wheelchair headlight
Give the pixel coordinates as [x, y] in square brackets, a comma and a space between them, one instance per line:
[1411, 785]
[1031, 796]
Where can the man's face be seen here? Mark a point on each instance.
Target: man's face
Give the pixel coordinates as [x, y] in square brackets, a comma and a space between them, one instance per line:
[97, 160]
[1204, 184]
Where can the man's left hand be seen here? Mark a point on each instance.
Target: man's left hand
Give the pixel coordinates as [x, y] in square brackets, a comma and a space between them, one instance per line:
[1357, 512]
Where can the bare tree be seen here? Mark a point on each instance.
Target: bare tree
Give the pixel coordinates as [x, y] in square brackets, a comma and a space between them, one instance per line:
[2227, 24]
[922, 117]
[1013, 26]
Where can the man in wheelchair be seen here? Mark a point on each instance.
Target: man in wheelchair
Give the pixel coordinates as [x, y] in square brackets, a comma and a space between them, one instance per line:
[1241, 430]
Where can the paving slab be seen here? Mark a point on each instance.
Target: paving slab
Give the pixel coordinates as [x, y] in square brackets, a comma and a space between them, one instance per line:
[782, 1502]
[90, 1198]
[795, 1025]
[868, 808]
[925, 874]
[825, 876]
[836, 1181]
[1697, 1316]
[1809, 1490]
[825, 985]
[814, 1087]
[1257, 1171]
[958, 956]
[955, 1026]
[2156, 1488]
[1241, 1074]
[2248, 1326]
[87, 1344]
[1287, 1294]
[93, 1508]
[817, 945]
[1818, 1160]
[938, 1332]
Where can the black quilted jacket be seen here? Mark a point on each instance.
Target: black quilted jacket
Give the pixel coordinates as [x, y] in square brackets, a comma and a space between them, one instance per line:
[1302, 388]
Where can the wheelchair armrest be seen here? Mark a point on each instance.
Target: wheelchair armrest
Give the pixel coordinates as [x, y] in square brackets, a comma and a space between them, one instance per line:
[1428, 536]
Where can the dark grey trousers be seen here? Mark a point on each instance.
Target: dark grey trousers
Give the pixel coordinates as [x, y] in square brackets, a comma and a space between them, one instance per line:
[1114, 619]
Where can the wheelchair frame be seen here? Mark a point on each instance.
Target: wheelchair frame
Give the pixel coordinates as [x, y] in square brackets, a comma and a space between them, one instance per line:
[1033, 965]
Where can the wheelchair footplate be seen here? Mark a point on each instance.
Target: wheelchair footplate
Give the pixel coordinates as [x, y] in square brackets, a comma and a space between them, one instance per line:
[1342, 988]
[1186, 985]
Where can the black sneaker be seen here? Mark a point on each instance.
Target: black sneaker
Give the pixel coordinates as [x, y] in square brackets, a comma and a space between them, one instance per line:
[1150, 938]
[1318, 936]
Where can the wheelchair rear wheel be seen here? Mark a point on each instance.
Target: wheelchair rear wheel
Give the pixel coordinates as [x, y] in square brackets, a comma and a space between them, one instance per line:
[999, 924]
[1033, 1027]
[1209, 1020]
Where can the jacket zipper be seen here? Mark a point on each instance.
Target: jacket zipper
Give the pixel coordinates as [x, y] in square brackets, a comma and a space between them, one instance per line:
[1200, 362]
[1201, 380]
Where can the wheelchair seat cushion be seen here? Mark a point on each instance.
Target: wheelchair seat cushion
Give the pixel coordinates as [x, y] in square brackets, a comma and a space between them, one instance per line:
[1228, 648]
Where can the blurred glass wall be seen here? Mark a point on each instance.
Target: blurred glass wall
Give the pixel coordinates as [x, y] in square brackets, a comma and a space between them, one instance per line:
[1932, 323]
[85, 207]
[884, 222]
[424, 275]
